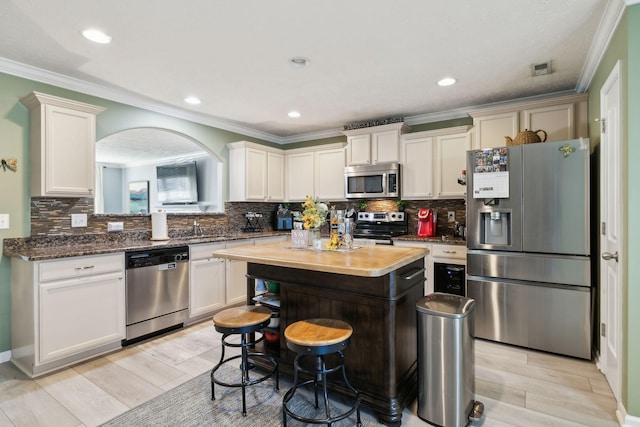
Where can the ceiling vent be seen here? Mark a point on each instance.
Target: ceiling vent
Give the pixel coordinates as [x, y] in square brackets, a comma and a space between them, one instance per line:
[541, 69]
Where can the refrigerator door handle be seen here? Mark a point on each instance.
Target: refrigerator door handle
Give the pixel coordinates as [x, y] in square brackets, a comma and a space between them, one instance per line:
[608, 256]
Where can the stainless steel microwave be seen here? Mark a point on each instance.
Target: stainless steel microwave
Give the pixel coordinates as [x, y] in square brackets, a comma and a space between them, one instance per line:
[381, 180]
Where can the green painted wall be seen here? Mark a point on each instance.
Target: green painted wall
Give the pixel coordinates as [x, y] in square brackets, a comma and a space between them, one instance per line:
[625, 46]
[632, 402]
[14, 143]
[414, 128]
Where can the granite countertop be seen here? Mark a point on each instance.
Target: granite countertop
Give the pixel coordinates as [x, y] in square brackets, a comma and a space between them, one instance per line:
[447, 240]
[44, 248]
[366, 260]
[52, 247]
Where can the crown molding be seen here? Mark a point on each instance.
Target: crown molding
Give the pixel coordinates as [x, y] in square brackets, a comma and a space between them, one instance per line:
[330, 133]
[610, 19]
[43, 76]
[608, 23]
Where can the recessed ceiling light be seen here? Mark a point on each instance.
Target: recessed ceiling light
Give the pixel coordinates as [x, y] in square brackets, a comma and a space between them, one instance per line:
[294, 114]
[96, 36]
[447, 81]
[193, 100]
[298, 62]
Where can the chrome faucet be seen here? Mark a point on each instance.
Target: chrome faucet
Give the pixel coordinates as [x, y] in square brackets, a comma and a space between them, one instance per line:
[197, 230]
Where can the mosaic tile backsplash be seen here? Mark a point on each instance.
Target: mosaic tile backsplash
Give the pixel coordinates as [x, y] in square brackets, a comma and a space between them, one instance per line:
[52, 217]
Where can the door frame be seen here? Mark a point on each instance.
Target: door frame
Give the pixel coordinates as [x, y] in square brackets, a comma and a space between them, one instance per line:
[611, 144]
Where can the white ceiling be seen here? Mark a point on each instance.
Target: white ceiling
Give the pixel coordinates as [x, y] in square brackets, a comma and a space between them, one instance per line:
[142, 146]
[369, 59]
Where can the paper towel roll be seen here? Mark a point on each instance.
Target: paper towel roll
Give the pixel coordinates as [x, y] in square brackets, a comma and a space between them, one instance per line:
[159, 226]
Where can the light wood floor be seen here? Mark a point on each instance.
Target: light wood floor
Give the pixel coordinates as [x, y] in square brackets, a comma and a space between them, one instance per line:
[518, 387]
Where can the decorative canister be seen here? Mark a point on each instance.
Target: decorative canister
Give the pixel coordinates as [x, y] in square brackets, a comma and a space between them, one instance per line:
[527, 137]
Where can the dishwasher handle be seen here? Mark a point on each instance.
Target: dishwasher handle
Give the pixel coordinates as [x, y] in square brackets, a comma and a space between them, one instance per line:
[167, 266]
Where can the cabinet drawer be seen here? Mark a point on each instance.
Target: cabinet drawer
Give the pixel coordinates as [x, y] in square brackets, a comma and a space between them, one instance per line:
[449, 251]
[80, 266]
[204, 251]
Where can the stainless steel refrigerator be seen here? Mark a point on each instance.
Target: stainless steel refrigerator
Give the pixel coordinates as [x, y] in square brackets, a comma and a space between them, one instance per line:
[528, 247]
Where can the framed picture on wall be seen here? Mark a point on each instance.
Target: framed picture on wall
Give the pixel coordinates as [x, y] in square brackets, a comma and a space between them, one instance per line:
[139, 197]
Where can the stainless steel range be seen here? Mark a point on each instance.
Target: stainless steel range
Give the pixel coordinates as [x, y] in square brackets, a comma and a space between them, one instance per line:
[381, 227]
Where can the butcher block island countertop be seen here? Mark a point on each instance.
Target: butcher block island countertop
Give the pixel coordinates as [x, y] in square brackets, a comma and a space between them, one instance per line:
[374, 288]
[366, 260]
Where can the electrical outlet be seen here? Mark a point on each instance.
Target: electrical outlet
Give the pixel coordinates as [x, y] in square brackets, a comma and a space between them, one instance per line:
[4, 221]
[78, 220]
[115, 226]
[451, 216]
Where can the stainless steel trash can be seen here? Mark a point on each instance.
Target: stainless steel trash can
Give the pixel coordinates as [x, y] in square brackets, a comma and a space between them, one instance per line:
[446, 369]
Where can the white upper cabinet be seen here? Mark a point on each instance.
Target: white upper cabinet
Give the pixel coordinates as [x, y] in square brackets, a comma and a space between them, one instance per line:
[491, 129]
[556, 120]
[416, 166]
[359, 149]
[372, 145]
[451, 160]
[256, 172]
[329, 173]
[562, 117]
[275, 177]
[317, 172]
[300, 175]
[63, 139]
[432, 161]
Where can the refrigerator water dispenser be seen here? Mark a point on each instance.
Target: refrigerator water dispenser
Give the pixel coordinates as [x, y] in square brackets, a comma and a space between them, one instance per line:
[495, 228]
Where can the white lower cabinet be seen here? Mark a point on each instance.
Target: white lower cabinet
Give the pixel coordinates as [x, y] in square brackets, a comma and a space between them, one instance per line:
[215, 283]
[206, 280]
[64, 311]
[236, 275]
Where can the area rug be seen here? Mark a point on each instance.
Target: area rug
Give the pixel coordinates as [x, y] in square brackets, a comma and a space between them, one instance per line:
[190, 404]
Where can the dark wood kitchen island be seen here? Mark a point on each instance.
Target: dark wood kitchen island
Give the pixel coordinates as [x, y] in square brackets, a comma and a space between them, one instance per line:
[374, 288]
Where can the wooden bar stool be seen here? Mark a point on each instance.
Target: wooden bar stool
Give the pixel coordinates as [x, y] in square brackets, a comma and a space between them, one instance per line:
[243, 321]
[318, 338]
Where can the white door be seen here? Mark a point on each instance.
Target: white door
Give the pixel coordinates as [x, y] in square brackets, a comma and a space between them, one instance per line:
[610, 216]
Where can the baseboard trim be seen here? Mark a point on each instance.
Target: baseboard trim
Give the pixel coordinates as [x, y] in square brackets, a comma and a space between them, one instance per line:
[5, 356]
[625, 419]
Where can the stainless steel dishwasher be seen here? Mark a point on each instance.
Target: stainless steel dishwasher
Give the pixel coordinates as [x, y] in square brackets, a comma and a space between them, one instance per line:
[157, 291]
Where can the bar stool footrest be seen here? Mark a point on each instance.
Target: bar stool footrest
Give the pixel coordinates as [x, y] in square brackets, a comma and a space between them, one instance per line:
[265, 376]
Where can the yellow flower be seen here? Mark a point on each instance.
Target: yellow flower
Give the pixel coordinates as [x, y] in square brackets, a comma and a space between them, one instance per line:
[314, 213]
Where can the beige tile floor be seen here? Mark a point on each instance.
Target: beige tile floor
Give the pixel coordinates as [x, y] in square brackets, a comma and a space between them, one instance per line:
[518, 387]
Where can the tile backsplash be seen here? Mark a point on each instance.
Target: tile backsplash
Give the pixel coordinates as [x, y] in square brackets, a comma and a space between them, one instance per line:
[52, 217]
